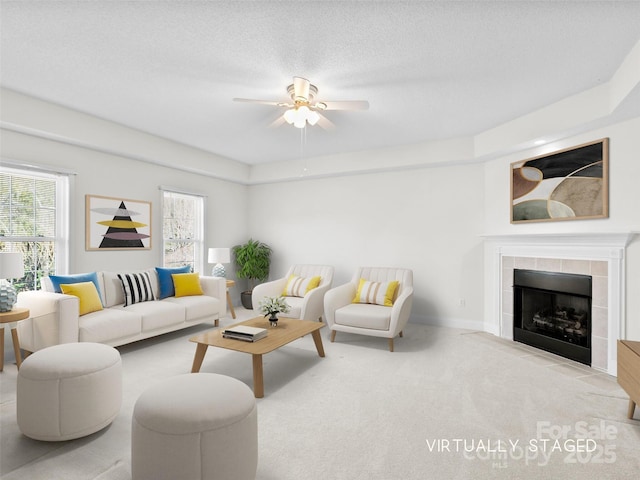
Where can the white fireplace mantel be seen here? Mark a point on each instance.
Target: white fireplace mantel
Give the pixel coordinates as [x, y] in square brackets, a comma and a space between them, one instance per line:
[602, 239]
[608, 247]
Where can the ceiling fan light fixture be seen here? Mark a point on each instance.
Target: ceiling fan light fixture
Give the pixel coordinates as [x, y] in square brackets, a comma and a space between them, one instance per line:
[304, 109]
[300, 116]
[290, 116]
[312, 117]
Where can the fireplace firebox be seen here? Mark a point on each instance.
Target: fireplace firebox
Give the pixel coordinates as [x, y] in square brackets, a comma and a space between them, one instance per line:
[552, 311]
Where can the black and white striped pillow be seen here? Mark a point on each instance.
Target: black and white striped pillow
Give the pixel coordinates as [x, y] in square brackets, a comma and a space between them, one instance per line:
[137, 287]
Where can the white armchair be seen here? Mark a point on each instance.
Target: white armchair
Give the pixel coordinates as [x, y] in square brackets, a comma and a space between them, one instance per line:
[343, 315]
[309, 307]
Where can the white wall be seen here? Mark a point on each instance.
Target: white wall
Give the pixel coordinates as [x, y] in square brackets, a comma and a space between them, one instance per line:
[429, 220]
[432, 219]
[429, 217]
[624, 202]
[109, 174]
[113, 176]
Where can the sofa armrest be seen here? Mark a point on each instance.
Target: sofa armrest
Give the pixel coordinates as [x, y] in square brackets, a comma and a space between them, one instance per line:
[313, 306]
[336, 298]
[401, 311]
[53, 319]
[273, 288]
[215, 287]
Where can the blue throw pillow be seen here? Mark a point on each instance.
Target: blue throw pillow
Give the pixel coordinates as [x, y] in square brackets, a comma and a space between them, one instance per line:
[165, 281]
[57, 280]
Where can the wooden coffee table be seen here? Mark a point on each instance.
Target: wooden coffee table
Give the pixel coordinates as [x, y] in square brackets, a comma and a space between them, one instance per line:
[287, 331]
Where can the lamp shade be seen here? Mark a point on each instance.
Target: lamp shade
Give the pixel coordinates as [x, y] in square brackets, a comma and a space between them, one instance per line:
[11, 265]
[219, 255]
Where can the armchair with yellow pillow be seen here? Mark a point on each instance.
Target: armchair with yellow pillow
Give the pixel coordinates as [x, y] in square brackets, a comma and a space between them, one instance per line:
[377, 302]
[304, 287]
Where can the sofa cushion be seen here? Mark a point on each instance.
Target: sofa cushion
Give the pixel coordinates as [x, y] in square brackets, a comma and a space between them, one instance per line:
[113, 291]
[299, 286]
[375, 317]
[156, 315]
[295, 310]
[187, 284]
[57, 280]
[196, 307]
[136, 287]
[87, 294]
[109, 325]
[165, 282]
[378, 293]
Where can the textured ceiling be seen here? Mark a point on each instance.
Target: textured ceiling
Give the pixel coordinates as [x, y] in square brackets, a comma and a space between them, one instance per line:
[430, 70]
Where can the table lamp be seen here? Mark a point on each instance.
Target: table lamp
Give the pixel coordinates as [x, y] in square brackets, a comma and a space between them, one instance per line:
[11, 266]
[219, 256]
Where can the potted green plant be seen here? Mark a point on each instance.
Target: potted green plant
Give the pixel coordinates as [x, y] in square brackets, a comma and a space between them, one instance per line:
[252, 260]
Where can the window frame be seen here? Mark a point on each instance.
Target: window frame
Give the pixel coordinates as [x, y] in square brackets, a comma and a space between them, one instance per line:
[61, 238]
[198, 236]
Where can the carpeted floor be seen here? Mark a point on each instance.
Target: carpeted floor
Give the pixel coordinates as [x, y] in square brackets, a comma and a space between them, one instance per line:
[447, 404]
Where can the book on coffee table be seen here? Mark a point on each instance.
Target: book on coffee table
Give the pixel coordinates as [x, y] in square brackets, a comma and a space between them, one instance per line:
[244, 332]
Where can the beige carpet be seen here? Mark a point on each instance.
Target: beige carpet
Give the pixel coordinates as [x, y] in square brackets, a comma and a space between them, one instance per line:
[447, 404]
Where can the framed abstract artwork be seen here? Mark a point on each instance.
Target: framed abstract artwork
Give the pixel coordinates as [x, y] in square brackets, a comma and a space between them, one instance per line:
[117, 224]
[570, 184]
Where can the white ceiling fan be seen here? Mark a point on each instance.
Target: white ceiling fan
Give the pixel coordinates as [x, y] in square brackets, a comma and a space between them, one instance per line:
[305, 109]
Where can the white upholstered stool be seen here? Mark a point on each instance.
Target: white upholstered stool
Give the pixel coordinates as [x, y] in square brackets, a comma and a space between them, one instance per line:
[195, 426]
[69, 391]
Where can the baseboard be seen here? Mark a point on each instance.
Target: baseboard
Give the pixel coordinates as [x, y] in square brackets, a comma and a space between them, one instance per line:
[465, 324]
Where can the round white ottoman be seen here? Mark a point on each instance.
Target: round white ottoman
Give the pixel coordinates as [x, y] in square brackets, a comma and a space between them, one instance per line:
[193, 427]
[69, 391]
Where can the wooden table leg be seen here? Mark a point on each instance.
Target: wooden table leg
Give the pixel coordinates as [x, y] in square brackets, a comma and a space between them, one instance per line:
[258, 377]
[632, 409]
[201, 349]
[233, 312]
[1, 349]
[317, 338]
[16, 346]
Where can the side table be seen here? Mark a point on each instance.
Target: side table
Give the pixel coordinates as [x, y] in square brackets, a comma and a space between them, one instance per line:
[629, 371]
[10, 319]
[230, 283]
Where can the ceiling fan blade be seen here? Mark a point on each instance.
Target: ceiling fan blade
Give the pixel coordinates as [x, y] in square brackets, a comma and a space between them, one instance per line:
[277, 122]
[262, 102]
[300, 88]
[344, 105]
[325, 123]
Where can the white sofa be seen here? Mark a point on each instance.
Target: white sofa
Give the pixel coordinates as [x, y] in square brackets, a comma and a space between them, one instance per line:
[55, 317]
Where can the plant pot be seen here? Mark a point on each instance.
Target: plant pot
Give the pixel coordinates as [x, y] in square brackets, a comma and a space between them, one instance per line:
[245, 298]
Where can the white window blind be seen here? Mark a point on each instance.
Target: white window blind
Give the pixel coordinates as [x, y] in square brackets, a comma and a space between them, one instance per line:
[182, 229]
[34, 221]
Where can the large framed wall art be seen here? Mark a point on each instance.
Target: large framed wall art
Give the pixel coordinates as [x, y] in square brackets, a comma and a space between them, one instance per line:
[570, 184]
[117, 224]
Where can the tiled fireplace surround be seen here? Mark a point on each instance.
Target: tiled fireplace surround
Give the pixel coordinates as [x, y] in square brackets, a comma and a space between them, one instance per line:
[598, 255]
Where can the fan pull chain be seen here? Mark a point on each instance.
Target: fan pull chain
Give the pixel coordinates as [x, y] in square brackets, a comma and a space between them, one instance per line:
[303, 142]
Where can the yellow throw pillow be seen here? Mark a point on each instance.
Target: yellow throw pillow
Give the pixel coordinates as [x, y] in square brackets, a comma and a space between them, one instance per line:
[187, 284]
[87, 293]
[298, 286]
[376, 293]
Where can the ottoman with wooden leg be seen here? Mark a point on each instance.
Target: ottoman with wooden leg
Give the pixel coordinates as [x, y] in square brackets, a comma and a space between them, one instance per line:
[68, 391]
[195, 426]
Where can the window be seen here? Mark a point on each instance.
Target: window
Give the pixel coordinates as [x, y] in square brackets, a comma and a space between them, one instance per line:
[182, 229]
[34, 221]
